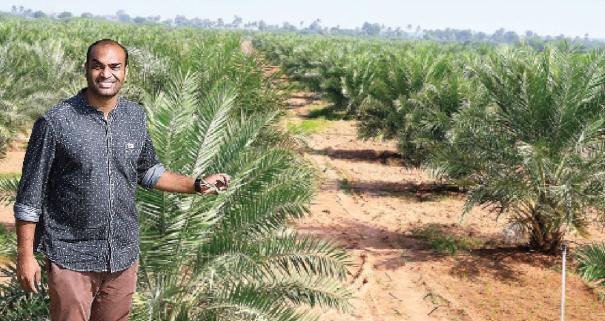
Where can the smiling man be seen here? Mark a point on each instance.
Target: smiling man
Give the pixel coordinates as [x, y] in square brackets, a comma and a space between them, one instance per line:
[76, 201]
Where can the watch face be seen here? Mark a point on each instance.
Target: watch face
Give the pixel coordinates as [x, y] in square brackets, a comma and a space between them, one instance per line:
[197, 186]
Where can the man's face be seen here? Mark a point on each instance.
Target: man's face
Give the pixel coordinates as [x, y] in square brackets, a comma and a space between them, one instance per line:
[106, 70]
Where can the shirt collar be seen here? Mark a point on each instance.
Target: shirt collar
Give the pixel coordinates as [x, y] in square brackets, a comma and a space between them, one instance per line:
[81, 99]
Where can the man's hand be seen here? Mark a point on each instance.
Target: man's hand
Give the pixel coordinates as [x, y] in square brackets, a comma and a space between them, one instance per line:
[217, 182]
[175, 183]
[28, 272]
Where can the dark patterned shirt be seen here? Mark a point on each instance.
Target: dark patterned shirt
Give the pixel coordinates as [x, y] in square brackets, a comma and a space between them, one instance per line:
[78, 182]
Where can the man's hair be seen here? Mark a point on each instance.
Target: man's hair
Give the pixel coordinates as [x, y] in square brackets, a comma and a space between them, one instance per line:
[105, 41]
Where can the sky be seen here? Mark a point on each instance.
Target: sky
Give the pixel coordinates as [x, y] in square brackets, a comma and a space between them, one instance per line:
[554, 17]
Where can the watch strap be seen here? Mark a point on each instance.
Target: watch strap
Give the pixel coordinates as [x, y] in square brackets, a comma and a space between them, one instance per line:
[197, 186]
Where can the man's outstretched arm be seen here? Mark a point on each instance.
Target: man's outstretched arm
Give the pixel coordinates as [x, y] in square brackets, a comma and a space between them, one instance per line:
[175, 183]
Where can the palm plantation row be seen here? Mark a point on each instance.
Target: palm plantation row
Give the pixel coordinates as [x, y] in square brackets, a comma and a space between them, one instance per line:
[209, 109]
[520, 130]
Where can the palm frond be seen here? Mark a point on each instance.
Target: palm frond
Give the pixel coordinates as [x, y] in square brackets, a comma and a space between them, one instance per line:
[591, 263]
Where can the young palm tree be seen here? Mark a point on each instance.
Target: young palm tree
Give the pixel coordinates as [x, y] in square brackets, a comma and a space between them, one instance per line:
[536, 152]
[591, 263]
[413, 99]
[229, 256]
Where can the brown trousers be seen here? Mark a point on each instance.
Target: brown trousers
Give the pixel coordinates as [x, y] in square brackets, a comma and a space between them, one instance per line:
[94, 296]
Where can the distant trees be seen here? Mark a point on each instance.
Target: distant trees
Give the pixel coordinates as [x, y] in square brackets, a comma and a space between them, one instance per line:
[480, 36]
[288, 26]
[155, 19]
[237, 22]
[464, 35]
[180, 21]
[370, 29]
[316, 25]
[447, 35]
[196, 22]
[499, 35]
[398, 31]
[511, 37]
[39, 14]
[123, 16]
[64, 14]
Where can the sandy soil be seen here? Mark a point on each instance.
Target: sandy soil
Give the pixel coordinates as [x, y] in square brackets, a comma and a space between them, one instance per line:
[370, 203]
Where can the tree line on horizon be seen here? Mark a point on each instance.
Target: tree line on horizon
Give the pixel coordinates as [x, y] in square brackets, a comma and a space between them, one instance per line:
[410, 32]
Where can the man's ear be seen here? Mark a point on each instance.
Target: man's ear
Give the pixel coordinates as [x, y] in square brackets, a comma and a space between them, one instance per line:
[125, 71]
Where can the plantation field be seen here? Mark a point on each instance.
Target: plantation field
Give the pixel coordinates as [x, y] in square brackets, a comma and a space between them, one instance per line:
[395, 275]
[373, 180]
[383, 214]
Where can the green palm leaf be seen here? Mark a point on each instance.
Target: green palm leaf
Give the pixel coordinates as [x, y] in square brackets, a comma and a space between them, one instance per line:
[591, 263]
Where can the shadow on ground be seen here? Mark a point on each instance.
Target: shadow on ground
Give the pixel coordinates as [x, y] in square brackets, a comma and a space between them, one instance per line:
[362, 155]
[420, 192]
[403, 248]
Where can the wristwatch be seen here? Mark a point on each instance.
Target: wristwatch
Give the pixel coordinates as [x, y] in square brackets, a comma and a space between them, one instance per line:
[198, 186]
[199, 182]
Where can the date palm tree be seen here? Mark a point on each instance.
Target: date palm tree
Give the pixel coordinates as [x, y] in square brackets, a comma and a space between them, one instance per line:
[534, 151]
[591, 263]
[413, 99]
[230, 256]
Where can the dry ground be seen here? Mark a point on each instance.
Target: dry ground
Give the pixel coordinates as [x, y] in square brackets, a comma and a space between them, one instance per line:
[371, 204]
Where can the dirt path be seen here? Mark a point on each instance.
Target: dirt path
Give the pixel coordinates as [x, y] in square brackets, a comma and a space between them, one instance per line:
[363, 204]
[371, 204]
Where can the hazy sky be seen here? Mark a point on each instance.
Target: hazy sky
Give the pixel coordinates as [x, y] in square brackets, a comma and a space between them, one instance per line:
[571, 18]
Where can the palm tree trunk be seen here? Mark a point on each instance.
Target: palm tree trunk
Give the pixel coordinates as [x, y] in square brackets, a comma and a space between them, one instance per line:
[542, 237]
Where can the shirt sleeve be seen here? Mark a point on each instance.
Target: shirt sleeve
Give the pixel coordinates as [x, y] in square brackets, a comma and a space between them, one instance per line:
[149, 168]
[36, 168]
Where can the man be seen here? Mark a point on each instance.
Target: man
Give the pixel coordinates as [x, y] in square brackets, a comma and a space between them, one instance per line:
[75, 202]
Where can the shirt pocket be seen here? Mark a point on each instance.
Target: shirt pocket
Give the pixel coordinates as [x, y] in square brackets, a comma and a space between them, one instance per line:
[125, 152]
[129, 159]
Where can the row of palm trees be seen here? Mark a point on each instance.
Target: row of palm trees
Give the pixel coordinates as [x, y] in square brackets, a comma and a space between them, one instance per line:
[210, 109]
[521, 130]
